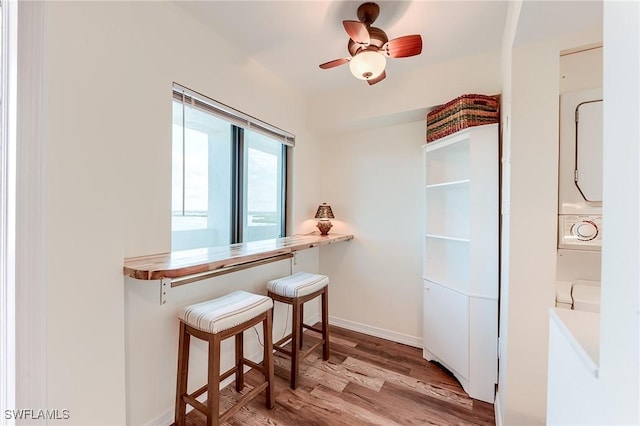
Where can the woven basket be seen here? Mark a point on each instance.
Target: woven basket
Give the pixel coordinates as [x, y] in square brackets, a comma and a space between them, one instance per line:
[461, 113]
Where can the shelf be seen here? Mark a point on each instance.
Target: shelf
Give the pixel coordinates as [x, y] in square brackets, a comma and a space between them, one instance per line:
[185, 263]
[447, 165]
[448, 142]
[448, 211]
[445, 261]
[449, 184]
[448, 238]
[435, 281]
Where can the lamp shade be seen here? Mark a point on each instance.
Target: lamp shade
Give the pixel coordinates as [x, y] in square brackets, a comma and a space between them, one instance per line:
[367, 64]
[324, 212]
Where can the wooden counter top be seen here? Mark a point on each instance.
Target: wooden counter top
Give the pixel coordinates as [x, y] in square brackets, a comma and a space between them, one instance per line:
[184, 263]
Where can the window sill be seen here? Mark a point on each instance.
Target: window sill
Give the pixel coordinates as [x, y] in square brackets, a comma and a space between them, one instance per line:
[182, 264]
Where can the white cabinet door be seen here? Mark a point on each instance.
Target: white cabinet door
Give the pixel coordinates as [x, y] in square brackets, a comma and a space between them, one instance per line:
[446, 326]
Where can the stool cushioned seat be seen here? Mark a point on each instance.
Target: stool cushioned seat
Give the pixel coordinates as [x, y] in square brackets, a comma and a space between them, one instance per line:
[297, 285]
[214, 316]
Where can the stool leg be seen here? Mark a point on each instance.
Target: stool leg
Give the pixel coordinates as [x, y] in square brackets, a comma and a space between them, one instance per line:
[213, 388]
[267, 333]
[301, 325]
[239, 364]
[295, 338]
[183, 371]
[325, 323]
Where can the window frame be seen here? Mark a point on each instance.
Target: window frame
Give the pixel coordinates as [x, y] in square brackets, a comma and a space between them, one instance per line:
[240, 122]
[239, 209]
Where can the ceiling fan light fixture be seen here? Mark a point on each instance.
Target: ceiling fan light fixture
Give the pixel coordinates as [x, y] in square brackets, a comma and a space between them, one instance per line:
[367, 64]
[370, 47]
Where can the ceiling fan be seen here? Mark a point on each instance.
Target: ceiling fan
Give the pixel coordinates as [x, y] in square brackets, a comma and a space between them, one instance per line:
[369, 46]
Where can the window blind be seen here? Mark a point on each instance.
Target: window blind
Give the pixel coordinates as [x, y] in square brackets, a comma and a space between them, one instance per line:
[238, 118]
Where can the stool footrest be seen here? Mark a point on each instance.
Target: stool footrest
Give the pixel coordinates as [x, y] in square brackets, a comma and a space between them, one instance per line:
[199, 392]
[283, 350]
[257, 366]
[195, 404]
[242, 401]
[308, 327]
[311, 349]
[228, 373]
[302, 355]
[281, 341]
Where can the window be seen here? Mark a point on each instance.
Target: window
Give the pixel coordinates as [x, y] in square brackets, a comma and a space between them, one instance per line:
[228, 174]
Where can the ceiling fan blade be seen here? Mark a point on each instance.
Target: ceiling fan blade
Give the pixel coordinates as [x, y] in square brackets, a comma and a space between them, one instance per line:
[333, 63]
[357, 31]
[378, 79]
[404, 46]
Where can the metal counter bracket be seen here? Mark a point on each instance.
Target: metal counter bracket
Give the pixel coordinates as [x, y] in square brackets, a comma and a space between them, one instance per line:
[166, 284]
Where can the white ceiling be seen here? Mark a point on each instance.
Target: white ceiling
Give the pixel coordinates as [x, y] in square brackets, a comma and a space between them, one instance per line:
[291, 38]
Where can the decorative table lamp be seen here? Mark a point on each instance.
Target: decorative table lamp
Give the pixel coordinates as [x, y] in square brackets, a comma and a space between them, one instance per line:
[324, 213]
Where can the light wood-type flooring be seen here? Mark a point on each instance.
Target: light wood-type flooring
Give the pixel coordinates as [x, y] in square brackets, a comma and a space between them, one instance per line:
[367, 381]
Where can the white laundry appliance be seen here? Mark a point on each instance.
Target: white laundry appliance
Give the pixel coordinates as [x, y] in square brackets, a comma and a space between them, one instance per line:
[580, 201]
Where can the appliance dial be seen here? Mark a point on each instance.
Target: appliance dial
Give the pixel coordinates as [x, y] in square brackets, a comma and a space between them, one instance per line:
[585, 230]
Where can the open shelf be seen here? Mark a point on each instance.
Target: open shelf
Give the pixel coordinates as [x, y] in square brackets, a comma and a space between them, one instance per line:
[447, 164]
[447, 211]
[447, 237]
[445, 262]
[449, 184]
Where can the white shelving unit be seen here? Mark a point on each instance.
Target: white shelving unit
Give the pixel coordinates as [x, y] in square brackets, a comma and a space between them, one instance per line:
[461, 257]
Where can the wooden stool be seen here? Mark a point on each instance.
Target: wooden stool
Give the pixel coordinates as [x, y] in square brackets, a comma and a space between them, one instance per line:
[213, 321]
[295, 290]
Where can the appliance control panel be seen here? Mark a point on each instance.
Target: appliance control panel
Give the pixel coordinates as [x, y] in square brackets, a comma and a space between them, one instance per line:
[580, 232]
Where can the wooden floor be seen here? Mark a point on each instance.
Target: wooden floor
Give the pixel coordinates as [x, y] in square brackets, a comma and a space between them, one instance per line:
[367, 381]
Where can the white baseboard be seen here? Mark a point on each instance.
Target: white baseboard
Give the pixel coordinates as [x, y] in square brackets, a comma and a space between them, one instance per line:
[497, 410]
[163, 420]
[377, 332]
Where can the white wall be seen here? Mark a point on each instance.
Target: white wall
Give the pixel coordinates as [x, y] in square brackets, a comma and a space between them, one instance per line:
[510, 28]
[30, 212]
[581, 70]
[529, 227]
[620, 322]
[107, 115]
[394, 101]
[373, 179]
[375, 190]
[533, 200]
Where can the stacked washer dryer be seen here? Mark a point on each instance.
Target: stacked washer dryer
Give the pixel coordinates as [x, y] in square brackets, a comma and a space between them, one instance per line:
[580, 201]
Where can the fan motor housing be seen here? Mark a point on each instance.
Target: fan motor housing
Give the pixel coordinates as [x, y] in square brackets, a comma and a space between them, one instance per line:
[378, 39]
[368, 12]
